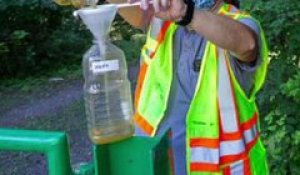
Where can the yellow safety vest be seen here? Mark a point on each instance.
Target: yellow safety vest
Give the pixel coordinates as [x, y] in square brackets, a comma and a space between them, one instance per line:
[222, 124]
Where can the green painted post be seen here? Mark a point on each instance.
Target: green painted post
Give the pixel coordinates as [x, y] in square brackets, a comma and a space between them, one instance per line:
[133, 156]
[53, 144]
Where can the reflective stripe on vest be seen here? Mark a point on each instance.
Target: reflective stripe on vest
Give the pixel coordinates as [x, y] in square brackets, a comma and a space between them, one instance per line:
[205, 155]
[215, 152]
[227, 107]
[233, 150]
[241, 167]
[234, 147]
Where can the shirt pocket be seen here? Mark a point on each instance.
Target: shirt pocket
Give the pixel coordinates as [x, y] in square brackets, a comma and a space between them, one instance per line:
[194, 69]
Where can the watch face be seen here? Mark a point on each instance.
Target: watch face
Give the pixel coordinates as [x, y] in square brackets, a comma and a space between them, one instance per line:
[204, 4]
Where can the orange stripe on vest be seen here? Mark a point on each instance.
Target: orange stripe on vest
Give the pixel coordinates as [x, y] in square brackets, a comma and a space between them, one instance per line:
[161, 36]
[250, 123]
[209, 143]
[204, 167]
[232, 158]
[143, 124]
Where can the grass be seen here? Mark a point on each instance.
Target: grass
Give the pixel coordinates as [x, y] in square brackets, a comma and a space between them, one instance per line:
[33, 82]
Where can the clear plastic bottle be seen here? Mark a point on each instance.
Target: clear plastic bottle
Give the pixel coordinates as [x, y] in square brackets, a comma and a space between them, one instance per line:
[107, 94]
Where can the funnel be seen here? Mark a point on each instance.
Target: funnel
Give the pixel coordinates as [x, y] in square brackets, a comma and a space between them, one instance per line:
[98, 20]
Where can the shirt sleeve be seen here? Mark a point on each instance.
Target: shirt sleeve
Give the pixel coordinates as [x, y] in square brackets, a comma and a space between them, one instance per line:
[244, 72]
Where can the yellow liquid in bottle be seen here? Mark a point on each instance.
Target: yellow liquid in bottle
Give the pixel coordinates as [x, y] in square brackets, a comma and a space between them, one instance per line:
[113, 133]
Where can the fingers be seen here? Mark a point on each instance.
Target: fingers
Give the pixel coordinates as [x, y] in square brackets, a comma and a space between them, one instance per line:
[165, 4]
[156, 5]
[161, 5]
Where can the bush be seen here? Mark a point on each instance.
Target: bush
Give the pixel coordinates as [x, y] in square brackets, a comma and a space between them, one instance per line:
[38, 35]
[279, 101]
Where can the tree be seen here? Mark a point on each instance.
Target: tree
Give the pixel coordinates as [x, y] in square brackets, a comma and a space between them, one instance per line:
[38, 35]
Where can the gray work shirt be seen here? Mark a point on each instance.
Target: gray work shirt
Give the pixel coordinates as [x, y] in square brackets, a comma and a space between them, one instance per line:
[188, 47]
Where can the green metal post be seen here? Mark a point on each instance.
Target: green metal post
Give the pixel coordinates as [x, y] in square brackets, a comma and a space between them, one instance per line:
[133, 156]
[53, 144]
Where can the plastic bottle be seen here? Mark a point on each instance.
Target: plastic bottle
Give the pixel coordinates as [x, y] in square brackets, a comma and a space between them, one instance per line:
[107, 95]
[107, 91]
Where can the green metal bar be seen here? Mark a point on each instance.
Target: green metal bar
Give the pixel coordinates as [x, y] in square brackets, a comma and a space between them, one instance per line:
[53, 144]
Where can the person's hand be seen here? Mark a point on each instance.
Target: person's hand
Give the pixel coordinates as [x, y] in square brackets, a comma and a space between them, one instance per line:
[172, 10]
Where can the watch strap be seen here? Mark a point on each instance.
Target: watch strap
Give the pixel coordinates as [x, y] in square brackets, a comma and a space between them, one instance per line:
[187, 18]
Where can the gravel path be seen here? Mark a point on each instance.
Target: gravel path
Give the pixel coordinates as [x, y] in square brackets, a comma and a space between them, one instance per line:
[40, 104]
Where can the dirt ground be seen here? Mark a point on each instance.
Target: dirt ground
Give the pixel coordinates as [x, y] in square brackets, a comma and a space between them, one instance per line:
[55, 106]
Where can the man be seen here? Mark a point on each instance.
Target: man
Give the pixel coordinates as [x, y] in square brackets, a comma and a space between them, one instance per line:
[202, 65]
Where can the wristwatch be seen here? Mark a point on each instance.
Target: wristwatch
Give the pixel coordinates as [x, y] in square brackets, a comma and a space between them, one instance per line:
[187, 18]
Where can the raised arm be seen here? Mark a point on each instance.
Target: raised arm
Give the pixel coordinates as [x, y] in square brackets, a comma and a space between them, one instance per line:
[227, 33]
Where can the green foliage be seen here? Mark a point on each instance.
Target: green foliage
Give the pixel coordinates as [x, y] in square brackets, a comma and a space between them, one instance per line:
[279, 101]
[129, 39]
[132, 47]
[121, 30]
[38, 35]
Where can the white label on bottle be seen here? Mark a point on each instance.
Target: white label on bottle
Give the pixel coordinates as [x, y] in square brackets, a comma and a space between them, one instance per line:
[105, 66]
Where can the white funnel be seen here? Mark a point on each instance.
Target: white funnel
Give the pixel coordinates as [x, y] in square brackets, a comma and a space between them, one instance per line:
[98, 20]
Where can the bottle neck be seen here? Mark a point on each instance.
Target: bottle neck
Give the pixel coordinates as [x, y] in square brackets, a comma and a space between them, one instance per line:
[102, 44]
